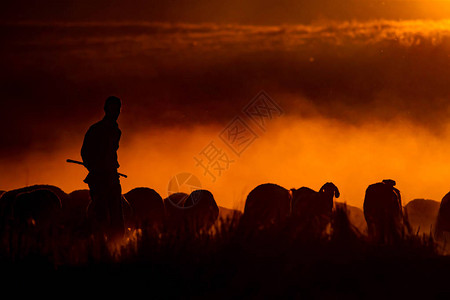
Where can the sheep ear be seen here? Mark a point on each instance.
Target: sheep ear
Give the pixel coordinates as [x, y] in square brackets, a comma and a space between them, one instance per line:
[336, 192]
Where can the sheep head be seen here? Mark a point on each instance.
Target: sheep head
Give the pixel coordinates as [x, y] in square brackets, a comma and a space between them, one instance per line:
[389, 182]
[330, 189]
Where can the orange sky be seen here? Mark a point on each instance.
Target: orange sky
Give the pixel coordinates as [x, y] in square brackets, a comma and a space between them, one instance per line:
[363, 101]
[292, 153]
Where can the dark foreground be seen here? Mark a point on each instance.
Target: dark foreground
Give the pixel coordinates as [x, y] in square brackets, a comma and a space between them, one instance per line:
[281, 262]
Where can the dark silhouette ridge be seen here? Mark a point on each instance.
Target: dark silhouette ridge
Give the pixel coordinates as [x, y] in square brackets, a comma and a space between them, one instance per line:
[383, 211]
[99, 154]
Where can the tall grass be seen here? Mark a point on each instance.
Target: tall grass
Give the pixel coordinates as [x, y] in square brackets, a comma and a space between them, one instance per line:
[286, 259]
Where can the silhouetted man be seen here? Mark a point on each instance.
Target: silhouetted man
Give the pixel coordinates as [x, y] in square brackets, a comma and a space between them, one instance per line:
[99, 154]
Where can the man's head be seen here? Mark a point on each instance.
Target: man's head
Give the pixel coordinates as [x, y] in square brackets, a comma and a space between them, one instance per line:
[112, 107]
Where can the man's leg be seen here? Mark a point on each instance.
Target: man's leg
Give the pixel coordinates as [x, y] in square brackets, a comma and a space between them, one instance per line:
[117, 227]
[98, 210]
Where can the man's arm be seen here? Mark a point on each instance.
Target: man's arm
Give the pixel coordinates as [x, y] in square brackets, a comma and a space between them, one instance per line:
[99, 150]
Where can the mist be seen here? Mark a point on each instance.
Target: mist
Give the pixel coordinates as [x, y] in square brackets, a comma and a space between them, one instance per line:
[291, 152]
[362, 102]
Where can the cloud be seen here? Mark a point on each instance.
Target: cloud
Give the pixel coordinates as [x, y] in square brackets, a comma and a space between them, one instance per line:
[207, 36]
[261, 12]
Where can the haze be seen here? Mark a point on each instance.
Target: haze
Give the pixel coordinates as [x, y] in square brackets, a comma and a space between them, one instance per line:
[364, 98]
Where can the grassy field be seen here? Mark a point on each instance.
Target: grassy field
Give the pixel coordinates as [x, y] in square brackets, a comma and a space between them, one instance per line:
[284, 261]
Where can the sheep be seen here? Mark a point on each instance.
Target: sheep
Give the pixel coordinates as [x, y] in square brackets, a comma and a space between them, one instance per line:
[171, 205]
[147, 206]
[75, 211]
[199, 212]
[266, 205]
[201, 209]
[40, 207]
[7, 200]
[383, 211]
[443, 218]
[314, 208]
[75, 206]
[178, 199]
[269, 204]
